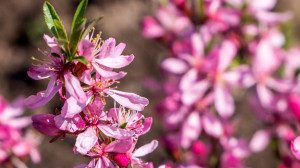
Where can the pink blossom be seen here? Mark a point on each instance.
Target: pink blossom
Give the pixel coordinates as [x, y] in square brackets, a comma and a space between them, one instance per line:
[295, 147]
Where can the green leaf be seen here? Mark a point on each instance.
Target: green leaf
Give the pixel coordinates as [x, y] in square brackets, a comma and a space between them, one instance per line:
[81, 59]
[60, 30]
[90, 26]
[75, 37]
[77, 26]
[53, 22]
[123, 126]
[79, 15]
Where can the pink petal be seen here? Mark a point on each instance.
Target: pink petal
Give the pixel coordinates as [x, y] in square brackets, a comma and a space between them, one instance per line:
[119, 146]
[273, 17]
[265, 59]
[280, 85]
[108, 73]
[52, 43]
[188, 79]
[211, 125]
[85, 141]
[129, 100]
[145, 149]
[85, 48]
[115, 62]
[107, 162]
[115, 132]
[226, 54]
[265, 95]
[69, 124]
[223, 101]
[259, 141]
[191, 129]
[195, 92]
[240, 76]
[147, 125]
[173, 118]
[109, 49]
[74, 88]
[19, 122]
[39, 73]
[45, 124]
[35, 156]
[71, 108]
[262, 5]
[197, 45]
[151, 29]
[43, 97]
[174, 65]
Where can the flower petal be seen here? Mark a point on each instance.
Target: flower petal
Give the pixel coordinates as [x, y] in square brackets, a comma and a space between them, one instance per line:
[223, 101]
[259, 141]
[43, 97]
[71, 108]
[74, 88]
[145, 149]
[108, 73]
[115, 132]
[115, 62]
[195, 92]
[119, 146]
[69, 124]
[129, 100]
[174, 65]
[212, 125]
[191, 129]
[85, 141]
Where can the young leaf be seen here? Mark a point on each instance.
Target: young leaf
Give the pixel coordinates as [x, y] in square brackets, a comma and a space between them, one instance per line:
[60, 30]
[77, 26]
[81, 59]
[53, 22]
[79, 15]
[90, 26]
[75, 37]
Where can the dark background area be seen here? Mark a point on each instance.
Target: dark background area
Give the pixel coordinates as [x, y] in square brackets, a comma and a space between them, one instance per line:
[22, 27]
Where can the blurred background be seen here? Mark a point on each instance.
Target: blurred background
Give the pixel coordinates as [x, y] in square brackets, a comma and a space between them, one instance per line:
[22, 27]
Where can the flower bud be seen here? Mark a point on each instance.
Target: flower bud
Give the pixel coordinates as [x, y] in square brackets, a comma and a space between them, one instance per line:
[45, 124]
[121, 159]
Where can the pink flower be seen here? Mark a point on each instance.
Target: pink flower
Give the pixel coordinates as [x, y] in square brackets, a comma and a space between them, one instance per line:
[131, 120]
[295, 147]
[56, 69]
[9, 114]
[100, 152]
[28, 146]
[105, 56]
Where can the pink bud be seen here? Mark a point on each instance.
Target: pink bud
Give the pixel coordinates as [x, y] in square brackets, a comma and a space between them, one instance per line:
[45, 124]
[295, 147]
[294, 103]
[200, 148]
[121, 159]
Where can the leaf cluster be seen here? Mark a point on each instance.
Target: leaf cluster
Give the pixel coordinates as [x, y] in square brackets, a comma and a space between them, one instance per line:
[79, 30]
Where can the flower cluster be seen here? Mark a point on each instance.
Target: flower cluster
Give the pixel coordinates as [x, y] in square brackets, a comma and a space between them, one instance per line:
[14, 146]
[82, 70]
[218, 47]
